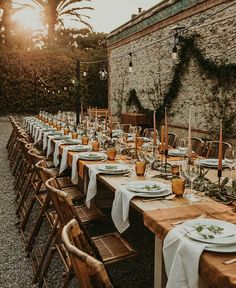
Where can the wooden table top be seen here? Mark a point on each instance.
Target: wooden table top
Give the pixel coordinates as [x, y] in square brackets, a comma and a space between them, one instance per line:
[158, 215]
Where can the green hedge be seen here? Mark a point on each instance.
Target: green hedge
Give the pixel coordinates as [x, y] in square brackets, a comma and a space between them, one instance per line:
[41, 80]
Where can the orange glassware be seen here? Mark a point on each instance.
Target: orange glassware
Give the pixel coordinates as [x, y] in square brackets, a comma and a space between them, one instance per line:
[95, 145]
[111, 153]
[140, 167]
[58, 127]
[140, 141]
[85, 140]
[178, 186]
[66, 131]
[74, 135]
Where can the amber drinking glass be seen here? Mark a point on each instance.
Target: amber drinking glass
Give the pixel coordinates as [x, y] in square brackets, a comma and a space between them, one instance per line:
[140, 167]
[66, 131]
[85, 140]
[74, 135]
[95, 145]
[178, 186]
[111, 153]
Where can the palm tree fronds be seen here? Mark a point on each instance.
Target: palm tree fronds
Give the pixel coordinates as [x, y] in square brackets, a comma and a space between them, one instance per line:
[66, 3]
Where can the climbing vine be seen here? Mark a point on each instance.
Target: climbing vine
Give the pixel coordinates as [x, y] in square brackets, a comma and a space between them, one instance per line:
[222, 72]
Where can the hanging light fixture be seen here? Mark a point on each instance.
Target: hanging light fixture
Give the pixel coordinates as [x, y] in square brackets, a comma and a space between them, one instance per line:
[130, 63]
[174, 52]
[103, 73]
[177, 30]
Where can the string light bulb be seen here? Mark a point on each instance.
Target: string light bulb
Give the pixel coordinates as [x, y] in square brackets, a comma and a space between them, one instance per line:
[174, 53]
[103, 73]
[130, 63]
[84, 73]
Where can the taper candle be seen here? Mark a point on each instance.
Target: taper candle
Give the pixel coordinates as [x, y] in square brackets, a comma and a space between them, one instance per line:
[162, 137]
[155, 129]
[220, 152]
[189, 134]
[166, 133]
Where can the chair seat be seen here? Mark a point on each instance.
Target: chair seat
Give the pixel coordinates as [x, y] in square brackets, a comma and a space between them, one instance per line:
[112, 247]
[73, 192]
[88, 215]
[64, 182]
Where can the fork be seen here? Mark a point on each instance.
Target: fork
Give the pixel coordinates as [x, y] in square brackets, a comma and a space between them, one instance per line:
[227, 262]
[203, 215]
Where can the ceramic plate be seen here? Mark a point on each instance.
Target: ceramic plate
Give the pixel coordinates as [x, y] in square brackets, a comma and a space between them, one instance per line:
[147, 186]
[211, 163]
[211, 231]
[113, 168]
[177, 153]
[92, 156]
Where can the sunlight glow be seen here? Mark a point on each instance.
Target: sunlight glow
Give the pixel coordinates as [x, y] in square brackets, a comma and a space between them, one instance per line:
[29, 18]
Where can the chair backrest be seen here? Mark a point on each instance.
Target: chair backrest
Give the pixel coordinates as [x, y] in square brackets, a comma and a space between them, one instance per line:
[149, 132]
[125, 127]
[89, 272]
[172, 138]
[137, 129]
[115, 125]
[197, 145]
[66, 211]
[44, 173]
[212, 148]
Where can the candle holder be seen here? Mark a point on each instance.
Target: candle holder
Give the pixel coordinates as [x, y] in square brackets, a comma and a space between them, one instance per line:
[85, 140]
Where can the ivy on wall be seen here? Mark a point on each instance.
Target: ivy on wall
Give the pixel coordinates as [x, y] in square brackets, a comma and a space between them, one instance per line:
[224, 73]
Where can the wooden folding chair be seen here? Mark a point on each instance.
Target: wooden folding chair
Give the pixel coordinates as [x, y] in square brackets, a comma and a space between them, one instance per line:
[212, 149]
[109, 248]
[197, 145]
[148, 132]
[88, 270]
[172, 138]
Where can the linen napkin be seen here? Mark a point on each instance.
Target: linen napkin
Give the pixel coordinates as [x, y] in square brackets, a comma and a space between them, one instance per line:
[74, 170]
[92, 186]
[49, 145]
[121, 205]
[181, 257]
[56, 152]
[120, 208]
[63, 164]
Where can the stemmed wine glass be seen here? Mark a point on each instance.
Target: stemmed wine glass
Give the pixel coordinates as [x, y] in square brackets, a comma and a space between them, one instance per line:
[230, 159]
[191, 172]
[182, 146]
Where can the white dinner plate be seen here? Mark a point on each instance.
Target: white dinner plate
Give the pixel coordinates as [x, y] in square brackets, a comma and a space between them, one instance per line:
[211, 163]
[73, 142]
[177, 153]
[221, 248]
[221, 232]
[80, 148]
[92, 156]
[147, 186]
[113, 168]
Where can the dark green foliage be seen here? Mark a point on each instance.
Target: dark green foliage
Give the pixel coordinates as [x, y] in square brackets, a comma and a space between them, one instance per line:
[42, 80]
[224, 73]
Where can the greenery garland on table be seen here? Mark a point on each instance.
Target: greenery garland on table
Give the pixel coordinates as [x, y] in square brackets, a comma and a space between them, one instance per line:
[224, 73]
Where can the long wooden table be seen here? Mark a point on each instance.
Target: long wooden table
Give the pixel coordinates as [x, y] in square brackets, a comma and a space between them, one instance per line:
[159, 214]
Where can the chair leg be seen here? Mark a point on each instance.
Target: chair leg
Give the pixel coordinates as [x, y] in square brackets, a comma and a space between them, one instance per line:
[37, 226]
[45, 251]
[69, 276]
[46, 267]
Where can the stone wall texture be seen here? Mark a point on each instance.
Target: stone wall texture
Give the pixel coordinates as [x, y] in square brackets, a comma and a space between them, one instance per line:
[153, 68]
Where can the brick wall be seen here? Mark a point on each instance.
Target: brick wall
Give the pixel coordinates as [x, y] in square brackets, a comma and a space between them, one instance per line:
[153, 66]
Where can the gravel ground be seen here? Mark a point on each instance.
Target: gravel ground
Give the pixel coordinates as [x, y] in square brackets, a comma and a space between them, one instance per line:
[15, 268]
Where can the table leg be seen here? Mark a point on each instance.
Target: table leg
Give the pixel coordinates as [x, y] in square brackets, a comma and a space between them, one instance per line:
[158, 263]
